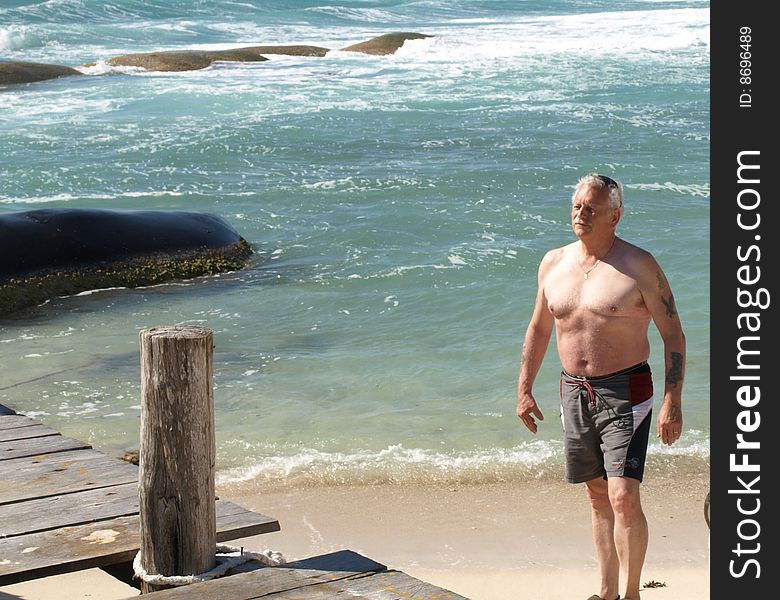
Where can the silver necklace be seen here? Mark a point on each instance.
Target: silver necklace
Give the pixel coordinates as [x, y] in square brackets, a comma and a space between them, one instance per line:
[585, 273]
[596, 264]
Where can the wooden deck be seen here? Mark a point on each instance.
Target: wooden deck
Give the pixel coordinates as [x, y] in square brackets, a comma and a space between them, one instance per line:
[66, 507]
[343, 574]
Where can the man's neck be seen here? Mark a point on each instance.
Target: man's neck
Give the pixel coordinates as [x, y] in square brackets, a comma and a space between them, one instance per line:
[597, 249]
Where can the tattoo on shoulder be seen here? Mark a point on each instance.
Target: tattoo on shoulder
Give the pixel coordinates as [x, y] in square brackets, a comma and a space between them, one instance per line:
[669, 304]
[675, 374]
[660, 279]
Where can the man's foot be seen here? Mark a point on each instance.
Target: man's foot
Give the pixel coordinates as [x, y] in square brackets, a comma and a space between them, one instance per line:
[597, 597]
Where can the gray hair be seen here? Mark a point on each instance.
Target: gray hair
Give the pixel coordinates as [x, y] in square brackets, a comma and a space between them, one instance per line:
[602, 182]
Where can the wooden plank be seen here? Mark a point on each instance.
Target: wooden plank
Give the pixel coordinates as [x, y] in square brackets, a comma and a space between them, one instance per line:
[61, 473]
[39, 446]
[235, 522]
[274, 580]
[67, 510]
[281, 583]
[383, 585]
[388, 585]
[107, 542]
[68, 549]
[23, 433]
[14, 421]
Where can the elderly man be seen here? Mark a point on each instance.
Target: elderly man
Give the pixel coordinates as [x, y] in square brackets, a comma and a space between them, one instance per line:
[601, 292]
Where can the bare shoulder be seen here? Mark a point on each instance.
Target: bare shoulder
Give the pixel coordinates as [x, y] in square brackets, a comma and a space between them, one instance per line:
[638, 257]
[553, 257]
[640, 263]
[556, 254]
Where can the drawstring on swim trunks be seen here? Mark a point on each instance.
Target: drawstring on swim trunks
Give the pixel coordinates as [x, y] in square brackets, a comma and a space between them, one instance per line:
[593, 395]
[584, 384]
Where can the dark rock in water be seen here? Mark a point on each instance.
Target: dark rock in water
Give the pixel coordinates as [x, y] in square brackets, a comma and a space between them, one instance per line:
[14, 72]
[290, 50]
[384, 44]
[184, 60]
[57, 252]
[192, 60]
[189, 60]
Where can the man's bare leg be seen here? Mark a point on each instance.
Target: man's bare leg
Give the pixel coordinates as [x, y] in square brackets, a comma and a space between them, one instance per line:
[630, 531]
[603, 523]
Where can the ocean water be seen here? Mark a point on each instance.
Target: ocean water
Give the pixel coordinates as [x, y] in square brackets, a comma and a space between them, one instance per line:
[398, 206]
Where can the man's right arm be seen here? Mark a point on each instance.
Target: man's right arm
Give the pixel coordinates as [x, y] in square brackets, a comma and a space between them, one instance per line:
[537, 338]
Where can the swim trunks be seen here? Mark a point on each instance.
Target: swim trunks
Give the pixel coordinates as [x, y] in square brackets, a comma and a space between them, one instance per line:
[606, 423]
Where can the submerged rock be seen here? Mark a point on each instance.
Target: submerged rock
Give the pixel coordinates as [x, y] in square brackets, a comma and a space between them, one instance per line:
[57, 252]
[184, 60]
[15, 72]
[290, 50]
[192, 60]
[384, 44]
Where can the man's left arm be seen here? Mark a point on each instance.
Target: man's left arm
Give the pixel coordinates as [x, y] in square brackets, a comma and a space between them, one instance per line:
[658, 297]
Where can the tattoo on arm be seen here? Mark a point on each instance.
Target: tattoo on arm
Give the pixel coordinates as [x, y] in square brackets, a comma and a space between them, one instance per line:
[669, 304]
[661, 284]
[675, 374]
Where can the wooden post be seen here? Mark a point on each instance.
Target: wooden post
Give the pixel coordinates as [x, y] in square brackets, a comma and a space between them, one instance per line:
[177, 452]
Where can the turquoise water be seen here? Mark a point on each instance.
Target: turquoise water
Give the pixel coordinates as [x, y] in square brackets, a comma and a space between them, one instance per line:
[398, 205]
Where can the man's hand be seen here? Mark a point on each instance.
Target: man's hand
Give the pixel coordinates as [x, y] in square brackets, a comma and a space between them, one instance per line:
[527, 409]
[670, 423]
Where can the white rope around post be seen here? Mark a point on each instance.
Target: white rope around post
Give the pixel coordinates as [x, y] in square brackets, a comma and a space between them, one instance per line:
[227, 558]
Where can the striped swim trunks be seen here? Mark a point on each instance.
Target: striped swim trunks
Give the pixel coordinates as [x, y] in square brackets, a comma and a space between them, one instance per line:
[606, 423]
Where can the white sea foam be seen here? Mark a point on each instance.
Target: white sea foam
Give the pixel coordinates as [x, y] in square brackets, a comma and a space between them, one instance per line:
[66, 197]
[46, 354]
[179, 26]
[396, 463]
[693, 443]
[690, 189]
[16, 37]
[96, 291]
[36, 414]
[630, 34]
[393, 272]
[37, 199]
[51, 110]
[26, 337]
[362, 15]
[330, 184]
[101, 67]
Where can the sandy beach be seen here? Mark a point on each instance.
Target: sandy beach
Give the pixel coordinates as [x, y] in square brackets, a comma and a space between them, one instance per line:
[485, 542]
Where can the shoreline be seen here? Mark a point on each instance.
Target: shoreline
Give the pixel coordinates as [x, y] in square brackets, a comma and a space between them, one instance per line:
[522, 465]
[524, 541]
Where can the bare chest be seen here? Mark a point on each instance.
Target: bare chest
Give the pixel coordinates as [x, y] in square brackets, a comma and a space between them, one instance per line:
[606, 291]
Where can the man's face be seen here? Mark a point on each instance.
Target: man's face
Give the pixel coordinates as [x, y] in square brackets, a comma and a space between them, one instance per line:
[591, 212]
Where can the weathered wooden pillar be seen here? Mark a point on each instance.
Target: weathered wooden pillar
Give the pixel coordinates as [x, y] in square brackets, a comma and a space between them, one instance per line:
[177, 452]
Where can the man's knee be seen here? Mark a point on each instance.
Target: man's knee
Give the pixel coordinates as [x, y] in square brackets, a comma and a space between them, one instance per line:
[598, 494]
[624, 497]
